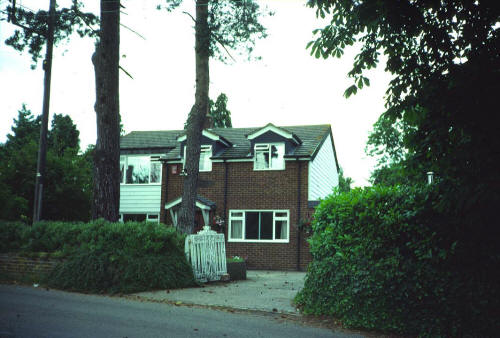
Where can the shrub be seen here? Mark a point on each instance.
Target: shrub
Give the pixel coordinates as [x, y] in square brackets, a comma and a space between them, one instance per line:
[388, 258]
[105, 257]
[12, 235]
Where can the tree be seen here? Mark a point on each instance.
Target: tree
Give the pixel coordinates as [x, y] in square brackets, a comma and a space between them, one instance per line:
[220, 115]
[344, 182]
[32, 32]
[444, 57]
[106, 198]
[63, 136]
[219, 26]
[39, 28]
[68, 185]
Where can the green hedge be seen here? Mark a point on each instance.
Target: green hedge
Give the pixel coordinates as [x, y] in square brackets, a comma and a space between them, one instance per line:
[105, 257]
[388, 259]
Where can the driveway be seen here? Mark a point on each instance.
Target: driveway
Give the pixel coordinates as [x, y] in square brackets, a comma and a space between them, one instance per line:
[269, 291]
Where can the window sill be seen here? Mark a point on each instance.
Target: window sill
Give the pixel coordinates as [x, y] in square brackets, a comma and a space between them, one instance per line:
[254, 169]
[139, 184]
[282, 241]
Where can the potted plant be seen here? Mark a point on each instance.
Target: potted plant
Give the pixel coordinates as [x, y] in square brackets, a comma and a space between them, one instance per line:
[236, 268]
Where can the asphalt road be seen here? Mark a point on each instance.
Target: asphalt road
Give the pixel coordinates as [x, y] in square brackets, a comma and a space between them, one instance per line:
[36, 312]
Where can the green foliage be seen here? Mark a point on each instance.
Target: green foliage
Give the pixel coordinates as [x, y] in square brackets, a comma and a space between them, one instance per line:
[344, 182]
[33, 35]
[68, 181]
[220, 114]
[392, 259]
[105, 257]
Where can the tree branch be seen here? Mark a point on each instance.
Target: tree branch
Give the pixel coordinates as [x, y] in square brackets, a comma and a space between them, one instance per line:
[133, 31]
[128, 74]
[189, 16]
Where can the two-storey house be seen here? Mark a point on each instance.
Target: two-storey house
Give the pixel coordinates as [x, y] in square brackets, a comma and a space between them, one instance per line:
[261, 182]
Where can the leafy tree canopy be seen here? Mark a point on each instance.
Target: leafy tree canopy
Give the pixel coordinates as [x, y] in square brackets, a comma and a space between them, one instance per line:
[221, 116]
[33, 28]
[69, 175]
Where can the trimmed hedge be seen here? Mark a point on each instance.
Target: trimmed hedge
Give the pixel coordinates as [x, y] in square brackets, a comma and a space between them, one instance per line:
[388, 258]
[105, 257]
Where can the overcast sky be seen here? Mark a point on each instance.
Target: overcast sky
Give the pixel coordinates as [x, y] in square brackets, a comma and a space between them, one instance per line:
[287, 87]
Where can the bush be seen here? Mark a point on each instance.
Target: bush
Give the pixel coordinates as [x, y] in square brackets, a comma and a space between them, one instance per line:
[105, 257]
[12, 235]
[387, 258]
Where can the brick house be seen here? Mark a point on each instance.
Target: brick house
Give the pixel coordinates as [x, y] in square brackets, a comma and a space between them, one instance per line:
[262, 182]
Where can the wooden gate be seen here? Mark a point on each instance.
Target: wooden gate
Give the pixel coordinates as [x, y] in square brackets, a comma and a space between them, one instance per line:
[206, 251]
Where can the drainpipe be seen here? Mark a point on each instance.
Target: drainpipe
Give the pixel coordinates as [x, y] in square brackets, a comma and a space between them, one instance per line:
[299, 190]
[226, 174]
[164, 193]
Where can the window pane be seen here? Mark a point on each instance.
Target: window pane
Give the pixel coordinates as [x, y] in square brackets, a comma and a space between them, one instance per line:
[251, 225]
[281, 214]
[281, 230]
[134, 217]
[138, 170]
[236, 229]
[205, 162]
[122, 169]
[277, 152]
[261, 159]
[152, 217]
[266, 225]
[155, 172]
[236, 214]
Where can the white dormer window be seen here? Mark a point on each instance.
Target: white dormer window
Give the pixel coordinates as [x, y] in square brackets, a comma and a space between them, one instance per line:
[269, 156]
[205, 161]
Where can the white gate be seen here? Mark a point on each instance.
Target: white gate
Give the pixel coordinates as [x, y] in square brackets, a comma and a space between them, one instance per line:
[206, 251]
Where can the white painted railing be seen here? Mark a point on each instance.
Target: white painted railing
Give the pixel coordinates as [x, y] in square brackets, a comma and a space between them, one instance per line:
[206, 251]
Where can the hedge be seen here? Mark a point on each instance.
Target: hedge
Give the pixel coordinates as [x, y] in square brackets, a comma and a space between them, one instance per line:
[389, 259]
[105, 257]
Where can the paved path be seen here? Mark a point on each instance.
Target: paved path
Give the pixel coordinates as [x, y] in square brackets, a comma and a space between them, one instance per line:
[36, 312]
[269, 291]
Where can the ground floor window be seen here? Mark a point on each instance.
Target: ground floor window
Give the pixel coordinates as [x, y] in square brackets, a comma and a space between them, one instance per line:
[259, 225]
[140, 217]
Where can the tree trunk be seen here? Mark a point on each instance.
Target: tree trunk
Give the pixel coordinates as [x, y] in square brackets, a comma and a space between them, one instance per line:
[196, 118]
[106, 197]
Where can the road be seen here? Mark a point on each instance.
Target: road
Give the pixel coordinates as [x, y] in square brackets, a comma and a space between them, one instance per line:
[37, 312]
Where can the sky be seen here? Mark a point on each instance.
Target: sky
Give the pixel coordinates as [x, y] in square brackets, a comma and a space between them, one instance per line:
[286, 87]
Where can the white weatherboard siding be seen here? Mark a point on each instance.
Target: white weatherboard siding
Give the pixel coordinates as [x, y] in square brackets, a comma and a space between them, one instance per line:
[140, 198]
[323, 175]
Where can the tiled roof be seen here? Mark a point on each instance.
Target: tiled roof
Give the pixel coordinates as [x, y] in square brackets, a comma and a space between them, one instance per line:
[311, 136]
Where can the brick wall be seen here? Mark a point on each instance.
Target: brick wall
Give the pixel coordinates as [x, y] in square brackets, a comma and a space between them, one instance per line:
[17, 266]
[249, 189]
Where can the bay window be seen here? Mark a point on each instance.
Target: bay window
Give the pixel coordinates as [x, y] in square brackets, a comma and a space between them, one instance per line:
[258, 225]
[269, 156]
[140, 169]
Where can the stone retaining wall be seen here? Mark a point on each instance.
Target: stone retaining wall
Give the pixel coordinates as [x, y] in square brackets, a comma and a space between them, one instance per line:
[16, 266]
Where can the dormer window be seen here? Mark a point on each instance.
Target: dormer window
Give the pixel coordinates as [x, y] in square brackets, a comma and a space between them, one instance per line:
[205, 161]
[269, 156]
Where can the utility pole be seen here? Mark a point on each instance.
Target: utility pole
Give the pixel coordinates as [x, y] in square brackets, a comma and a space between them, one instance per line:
[42, 150]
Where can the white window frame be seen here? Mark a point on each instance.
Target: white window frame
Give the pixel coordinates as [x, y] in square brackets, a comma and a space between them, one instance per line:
[243, 226]
[152, 159]
[150, 216]
[267, 147]
[204, 148]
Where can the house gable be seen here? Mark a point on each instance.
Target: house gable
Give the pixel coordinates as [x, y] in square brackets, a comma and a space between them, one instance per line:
[323, 170]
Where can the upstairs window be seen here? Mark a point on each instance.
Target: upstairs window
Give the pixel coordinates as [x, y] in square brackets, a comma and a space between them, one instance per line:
[205, 161]
[140, 169]
[269, 156]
